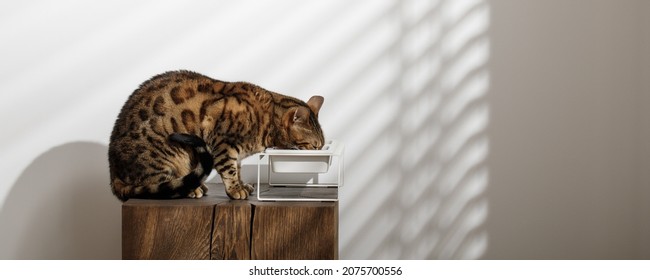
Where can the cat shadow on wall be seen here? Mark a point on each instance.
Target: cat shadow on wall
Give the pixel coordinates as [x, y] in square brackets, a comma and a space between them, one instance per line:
[61, 207]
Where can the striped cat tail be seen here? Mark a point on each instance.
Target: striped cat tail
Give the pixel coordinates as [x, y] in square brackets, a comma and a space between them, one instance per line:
[182, 187]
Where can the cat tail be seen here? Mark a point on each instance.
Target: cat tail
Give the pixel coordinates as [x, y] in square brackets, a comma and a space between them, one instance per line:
[182, 187]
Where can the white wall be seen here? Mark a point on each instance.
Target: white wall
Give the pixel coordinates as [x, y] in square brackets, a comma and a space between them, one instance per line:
[474, 129]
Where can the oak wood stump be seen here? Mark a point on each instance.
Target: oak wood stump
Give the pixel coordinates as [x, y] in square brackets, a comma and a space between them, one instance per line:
[215, 227]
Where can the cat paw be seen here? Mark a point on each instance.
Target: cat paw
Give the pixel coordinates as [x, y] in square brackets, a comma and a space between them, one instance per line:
[249, 188]
[238, 192]
[198, 192]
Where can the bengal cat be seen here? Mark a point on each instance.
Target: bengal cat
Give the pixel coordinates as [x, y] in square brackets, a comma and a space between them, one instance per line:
[179, 125]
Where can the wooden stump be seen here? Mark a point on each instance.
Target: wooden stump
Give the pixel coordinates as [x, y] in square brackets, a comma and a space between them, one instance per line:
[231, 233]
[214, 227]
[295, 230]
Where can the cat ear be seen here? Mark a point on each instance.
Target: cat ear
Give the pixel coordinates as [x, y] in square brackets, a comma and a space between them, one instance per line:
[301, 115]
[314, 103]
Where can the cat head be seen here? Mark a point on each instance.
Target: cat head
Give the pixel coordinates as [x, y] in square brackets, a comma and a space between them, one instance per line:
[302, 129]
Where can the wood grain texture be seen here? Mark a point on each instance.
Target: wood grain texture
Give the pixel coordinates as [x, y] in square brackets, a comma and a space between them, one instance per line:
[295, 230]
[166, 232]
[231, 231]
[214, 227]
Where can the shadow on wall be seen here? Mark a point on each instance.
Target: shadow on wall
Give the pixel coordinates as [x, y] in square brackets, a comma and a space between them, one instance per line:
[61, 207]
[419, 177]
